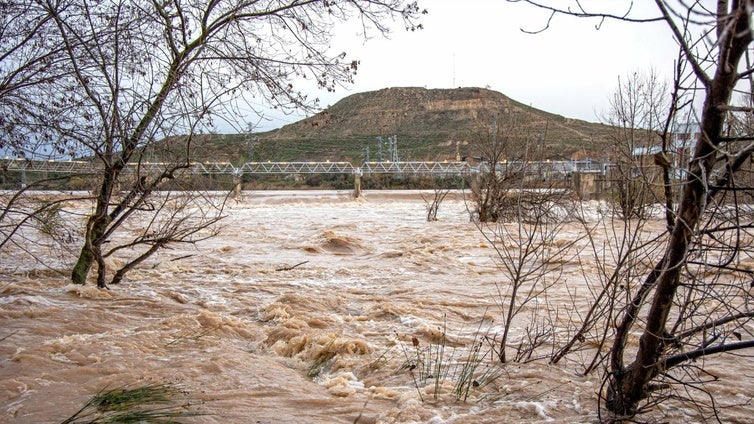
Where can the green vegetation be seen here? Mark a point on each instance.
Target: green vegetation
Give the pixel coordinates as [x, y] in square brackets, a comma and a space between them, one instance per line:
[152, 403]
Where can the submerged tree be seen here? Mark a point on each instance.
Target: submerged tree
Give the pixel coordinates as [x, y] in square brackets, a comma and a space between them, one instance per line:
[503, 150]
[114, 81]
[696, 300]
[520, 208]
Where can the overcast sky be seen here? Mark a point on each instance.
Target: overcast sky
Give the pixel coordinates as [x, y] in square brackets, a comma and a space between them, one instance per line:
[571, 69]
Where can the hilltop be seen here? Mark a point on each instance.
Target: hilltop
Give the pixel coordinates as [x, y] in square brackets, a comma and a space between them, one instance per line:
[430, 124]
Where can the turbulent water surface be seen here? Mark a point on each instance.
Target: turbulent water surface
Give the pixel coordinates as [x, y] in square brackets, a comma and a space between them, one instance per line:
[310, 307]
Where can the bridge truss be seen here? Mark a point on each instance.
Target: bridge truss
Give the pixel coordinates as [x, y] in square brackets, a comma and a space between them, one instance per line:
[446, 168]
[85, 167]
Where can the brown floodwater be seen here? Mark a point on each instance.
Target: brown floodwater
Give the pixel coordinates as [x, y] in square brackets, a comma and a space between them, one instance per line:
[311, 307]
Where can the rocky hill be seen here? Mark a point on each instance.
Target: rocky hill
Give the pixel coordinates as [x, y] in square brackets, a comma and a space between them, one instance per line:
[429, 124]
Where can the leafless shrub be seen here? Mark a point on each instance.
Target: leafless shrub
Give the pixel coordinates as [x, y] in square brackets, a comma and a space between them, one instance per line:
[530, 255]
[612, 268]
[434, 200]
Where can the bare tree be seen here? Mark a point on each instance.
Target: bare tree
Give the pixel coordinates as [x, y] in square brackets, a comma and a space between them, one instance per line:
[637, 115]
[433, 201]
[519, 209]
[503, 150]
[140, 75]
[695, 301]
[530, 258]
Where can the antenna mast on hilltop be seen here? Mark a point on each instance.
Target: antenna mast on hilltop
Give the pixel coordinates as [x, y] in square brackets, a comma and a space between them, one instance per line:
[454, 71]
[251, 141]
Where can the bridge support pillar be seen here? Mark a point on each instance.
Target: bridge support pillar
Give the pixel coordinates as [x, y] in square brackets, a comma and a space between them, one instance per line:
[238, 180]
[357, 183]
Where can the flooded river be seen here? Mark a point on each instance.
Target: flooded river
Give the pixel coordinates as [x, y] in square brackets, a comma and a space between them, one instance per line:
[310, 307]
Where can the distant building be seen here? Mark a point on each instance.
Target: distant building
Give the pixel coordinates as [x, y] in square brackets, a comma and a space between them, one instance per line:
[683, 138]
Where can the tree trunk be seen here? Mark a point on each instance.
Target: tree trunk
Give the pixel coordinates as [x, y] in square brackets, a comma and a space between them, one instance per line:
[95, 230]
[84, 263]
[628, 386]
[91, 251]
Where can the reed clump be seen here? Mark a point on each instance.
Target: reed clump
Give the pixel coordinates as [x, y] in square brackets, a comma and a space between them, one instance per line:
[151, 403]
[465, 369]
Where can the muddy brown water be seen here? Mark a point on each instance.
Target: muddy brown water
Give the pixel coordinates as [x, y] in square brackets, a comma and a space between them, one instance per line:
[304, 310]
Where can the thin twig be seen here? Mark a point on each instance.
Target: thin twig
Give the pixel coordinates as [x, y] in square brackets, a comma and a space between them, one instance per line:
[288, 268]
[181, 257]
[11, 334]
